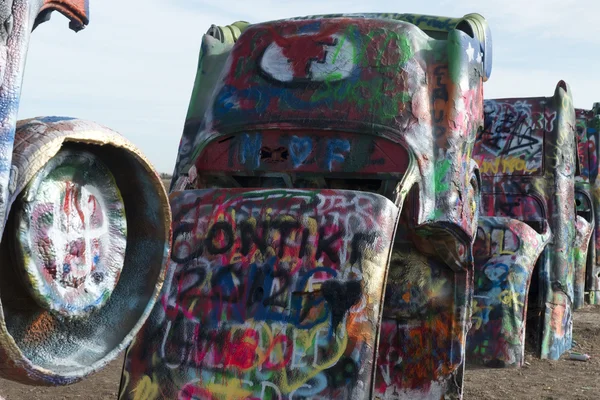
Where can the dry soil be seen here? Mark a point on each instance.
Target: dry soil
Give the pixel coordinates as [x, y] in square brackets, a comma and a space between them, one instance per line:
[540, 379]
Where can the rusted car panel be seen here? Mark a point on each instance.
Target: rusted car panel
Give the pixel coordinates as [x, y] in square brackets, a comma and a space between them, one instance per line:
[505, 252]
[587, 192]
[78, 12]
[365, 103]
[527, 155]
[272, 294]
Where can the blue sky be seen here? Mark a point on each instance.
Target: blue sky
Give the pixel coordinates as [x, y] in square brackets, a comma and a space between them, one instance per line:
[133, 67]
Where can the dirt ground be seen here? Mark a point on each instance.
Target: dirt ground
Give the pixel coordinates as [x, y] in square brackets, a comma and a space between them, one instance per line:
[102, 386]
[541, 379]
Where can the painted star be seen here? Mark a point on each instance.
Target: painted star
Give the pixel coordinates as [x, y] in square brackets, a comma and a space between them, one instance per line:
[470, 50]
[479, 57]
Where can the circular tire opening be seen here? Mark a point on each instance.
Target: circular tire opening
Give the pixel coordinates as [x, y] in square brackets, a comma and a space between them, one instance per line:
[71, 234]
[42, 345]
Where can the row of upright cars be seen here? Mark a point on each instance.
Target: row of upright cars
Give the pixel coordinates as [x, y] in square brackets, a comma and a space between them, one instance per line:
[536, 161]
[348, 218]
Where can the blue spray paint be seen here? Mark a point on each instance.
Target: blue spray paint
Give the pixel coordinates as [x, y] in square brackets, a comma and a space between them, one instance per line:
[335, 148]
[250, 150]
[300, 149]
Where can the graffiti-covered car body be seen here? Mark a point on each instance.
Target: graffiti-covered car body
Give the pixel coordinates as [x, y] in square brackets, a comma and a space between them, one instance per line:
[587, 195]
[306, 141]
[505, 253]
[526, 155]
[81, 258]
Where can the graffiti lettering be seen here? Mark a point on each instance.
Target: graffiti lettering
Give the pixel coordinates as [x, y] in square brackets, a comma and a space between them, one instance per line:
[267, 286]
[221, 237]
[513, 137]
[315, 151]
[335, 150]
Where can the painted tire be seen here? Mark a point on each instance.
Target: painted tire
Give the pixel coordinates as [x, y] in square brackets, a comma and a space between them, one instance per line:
[72, 234]
[76, 174]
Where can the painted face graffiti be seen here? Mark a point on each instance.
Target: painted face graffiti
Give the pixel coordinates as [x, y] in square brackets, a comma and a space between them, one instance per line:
[306, 151]
[309, 58]
[342, 79]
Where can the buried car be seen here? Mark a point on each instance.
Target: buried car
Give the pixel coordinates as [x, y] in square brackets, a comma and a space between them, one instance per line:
[82, 261]
[587, 196]
[323, 160]
[526, 155]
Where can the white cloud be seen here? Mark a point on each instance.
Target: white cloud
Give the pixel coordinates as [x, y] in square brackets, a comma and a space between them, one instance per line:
[133, 68]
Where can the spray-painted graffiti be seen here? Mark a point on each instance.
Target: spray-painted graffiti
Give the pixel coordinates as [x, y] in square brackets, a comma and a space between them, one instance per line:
[505, 251]
[389, 55]
[245, 101]
[79, 275]
[272, 294]
[423, 328]
[587, 139]
[366, 103]
[308, 58]
[277, 151]
[541, 133]
[587, 193]
[581, 244]
[17, 17]
[62, 201]
[73, 232]
[513, 140]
